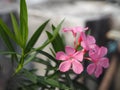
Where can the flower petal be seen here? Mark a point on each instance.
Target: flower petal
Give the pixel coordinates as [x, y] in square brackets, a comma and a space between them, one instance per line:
[104, 62]
[91, 68]
[73, 30]
[93, 53]
[61, 56]
[98, 71]
[83, 36]
[84, 45]
[69, 50]
[79, 55]
[88, 42]
[67, 29]
[77, 67]
[102, 51]
[80, 29]
[65, 66]
[90, 39]
[91, 46]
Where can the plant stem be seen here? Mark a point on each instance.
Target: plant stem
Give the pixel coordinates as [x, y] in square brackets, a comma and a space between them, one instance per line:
[21, 62]
[69, 81]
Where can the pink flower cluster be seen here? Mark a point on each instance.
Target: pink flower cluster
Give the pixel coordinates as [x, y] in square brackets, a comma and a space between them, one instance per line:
[72, 58]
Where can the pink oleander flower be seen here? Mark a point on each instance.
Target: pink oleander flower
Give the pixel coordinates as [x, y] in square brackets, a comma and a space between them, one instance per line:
[75, 30]
[98, 61]
[71, 59]
[87, 41]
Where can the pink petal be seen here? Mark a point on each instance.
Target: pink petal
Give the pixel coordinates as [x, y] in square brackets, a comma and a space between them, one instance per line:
[90, 39]
[93, 53]
[102, 51]
[77, 67]
[83, 36]
[75, 29]
[91, 68]
[80, 29]
[67, 29]
[79, 55]
[61, 56]
[91, 46]
[79, 40]
[69, 50]
[84, 45]
[87, 41]
[104, 62]
[65, 66]
[98, 71]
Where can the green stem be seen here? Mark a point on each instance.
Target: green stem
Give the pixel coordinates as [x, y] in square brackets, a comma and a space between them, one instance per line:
[69, 81]
[20, 65]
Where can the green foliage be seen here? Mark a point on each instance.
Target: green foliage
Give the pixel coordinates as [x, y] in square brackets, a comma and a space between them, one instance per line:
[23, 22]
[55, 33]
[35, 37]
[6, 39]
[52, 83]
[5, 30]
[56, 46]
[25, 78]
[16, 30]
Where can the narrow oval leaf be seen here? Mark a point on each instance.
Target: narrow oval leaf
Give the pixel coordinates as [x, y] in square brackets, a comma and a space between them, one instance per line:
[7, 52]
[35, 37]
[6, 39]
[47, 55]
[52, 83]
[31, 57]
[7, 30]
[56, 46]
[7, 42]
[31, 76]
[42, 61]
[55, 33]
[16, 29]
[55, 83]
[23, 21]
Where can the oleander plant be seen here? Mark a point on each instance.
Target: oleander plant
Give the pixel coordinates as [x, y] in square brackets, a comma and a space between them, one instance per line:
[64, 65]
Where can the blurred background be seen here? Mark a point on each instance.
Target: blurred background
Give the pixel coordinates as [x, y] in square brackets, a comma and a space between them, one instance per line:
[101, 16]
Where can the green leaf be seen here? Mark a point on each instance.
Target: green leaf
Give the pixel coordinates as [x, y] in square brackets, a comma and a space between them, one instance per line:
[52, 51]
[55, 83]
[48, 64]
[8, 43]
[35, 37]
[6, 39]
[52, 83]
[4, 27]
[16, 30]
[57, 43]
[31, 57]
[58, 46]
[23, 21]
[42, 61]
[53, 27]
[7, 52]
[55, 33]
[47, 55]
[55, 75]
[31, 76]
